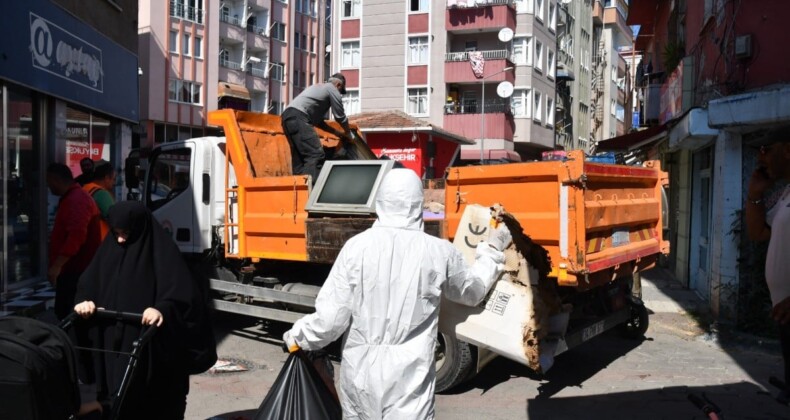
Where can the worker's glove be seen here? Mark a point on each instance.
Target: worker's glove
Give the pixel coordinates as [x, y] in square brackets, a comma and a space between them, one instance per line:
[499, 237]
[289, 344]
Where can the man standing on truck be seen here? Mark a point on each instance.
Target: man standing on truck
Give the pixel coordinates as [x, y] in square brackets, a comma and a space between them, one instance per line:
[309, 110]
[771, 223]
[383, 293]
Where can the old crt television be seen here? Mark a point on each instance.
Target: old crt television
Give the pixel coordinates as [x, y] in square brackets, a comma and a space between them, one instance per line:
[348, 187]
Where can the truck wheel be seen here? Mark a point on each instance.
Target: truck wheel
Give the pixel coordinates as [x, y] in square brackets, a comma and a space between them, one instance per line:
[636, 325]
[455, 362]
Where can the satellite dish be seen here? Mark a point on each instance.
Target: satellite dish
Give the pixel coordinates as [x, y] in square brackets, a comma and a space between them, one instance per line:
[504, 89]
[505, 34]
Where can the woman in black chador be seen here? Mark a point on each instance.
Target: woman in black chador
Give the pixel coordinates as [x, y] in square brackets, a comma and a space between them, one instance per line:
[138, 268]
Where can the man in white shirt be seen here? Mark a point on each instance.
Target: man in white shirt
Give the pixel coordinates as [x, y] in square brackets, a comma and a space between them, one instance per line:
[773, 225]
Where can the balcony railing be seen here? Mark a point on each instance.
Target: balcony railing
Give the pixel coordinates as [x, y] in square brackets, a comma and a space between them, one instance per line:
[229, 64]
[473, 107]
[478, 3]
[182, 11]
[258, 72]
[233, 20]
[260, 30]
[488, 55]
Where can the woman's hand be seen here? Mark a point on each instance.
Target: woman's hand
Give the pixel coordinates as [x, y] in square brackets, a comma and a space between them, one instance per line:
[85, 309]
[152, 316]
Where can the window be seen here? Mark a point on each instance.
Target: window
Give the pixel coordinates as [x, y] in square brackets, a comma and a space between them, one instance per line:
[304, 42]
[525, 6]
[614, 74]
[549, 111]
[312, 78]
[184, 91]
[278, 31]
[185, 45]
[296, 78]
[312, 44]
[418, 101]
[198, 47]
[520, 103]
[349, 52]
[538, 103]
[277, 72]
[351, 102]
[469, 102]
[418, 5]
[522, 50]
[552, 17]
[550, 64]
[538, 55]
[539, 9]
[297, 40]
[174, 42]
[613, 107]
[350, 8]
[418, 50]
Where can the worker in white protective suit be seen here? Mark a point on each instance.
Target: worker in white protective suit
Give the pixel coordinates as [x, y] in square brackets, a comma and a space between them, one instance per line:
[384, 292]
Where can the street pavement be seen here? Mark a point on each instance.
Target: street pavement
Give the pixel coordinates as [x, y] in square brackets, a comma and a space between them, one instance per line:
[607, 377]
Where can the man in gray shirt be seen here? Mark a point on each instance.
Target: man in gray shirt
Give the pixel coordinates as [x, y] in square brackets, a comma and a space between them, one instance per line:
[308, 110]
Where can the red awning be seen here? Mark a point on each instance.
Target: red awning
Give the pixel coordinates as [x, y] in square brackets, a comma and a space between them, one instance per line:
[635, 140]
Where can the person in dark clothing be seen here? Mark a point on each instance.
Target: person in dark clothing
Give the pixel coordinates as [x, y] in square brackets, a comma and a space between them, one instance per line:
[139, 269]
[87, 166]
[307, 111]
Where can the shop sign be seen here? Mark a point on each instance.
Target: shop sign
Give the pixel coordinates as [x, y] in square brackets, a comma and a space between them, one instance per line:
[57, 51]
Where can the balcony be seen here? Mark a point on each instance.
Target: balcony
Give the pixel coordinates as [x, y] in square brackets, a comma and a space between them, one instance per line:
[182, 11]
[465, 119]
[257, 38]
[230, 28]
[597, 12]
[458, 69]
[470, 15]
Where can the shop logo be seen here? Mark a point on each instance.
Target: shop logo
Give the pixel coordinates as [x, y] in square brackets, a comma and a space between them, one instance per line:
[58, 52]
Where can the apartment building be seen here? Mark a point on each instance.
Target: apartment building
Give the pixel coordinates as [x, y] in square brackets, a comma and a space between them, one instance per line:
[574, 27]
[444, 61]
[201, 55]
[713, 76]
[611, 34]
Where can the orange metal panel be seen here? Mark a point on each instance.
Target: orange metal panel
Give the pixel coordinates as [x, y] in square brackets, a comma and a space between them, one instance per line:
[590, 217]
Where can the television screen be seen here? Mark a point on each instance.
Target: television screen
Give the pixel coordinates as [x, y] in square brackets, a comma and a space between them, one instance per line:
[348, 187]
[349, 184]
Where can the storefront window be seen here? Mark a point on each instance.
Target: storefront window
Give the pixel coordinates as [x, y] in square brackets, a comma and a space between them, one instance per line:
[22, 209]
[87, 135]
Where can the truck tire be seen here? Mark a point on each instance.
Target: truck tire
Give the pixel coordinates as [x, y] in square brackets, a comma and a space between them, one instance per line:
[636, 326]
[455, 362]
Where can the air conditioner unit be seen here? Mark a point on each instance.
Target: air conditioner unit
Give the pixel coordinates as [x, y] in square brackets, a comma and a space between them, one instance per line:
[743, 46]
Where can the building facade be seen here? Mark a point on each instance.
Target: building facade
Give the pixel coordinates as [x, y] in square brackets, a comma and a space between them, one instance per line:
[201, 55]
[444, 61]
[707, 84]
[611, 34]
[68, 90]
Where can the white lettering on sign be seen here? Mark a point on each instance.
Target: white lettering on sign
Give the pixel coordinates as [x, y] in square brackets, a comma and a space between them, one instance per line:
[400, 155]
[63, 54]
[592, 330]
[82, 150]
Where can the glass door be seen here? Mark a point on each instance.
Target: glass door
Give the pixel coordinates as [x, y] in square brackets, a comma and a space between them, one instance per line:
[23, 252]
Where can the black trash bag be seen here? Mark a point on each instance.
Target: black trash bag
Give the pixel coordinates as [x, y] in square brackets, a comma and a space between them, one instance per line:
[299, 393]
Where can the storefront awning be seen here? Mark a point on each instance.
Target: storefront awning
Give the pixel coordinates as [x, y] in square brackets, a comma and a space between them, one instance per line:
[633, 141]
[233, 90]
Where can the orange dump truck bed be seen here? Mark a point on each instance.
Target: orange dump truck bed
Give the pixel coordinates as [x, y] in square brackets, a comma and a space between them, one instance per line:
[266, 217]
[597, 221]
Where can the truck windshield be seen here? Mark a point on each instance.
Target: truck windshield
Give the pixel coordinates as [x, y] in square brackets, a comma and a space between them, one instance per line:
[168, 176]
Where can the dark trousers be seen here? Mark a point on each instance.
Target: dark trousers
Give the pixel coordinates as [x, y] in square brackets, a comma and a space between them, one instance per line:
[307, 154]
[784, 339]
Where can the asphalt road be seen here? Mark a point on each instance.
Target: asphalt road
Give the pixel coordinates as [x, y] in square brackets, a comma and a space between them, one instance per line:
[607, 377]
